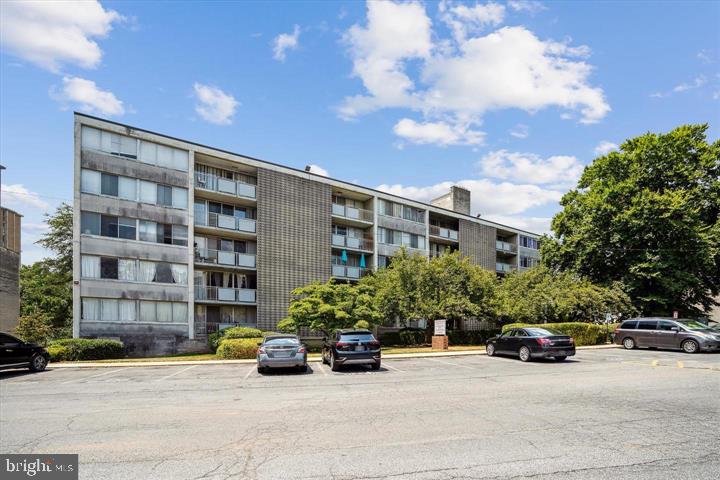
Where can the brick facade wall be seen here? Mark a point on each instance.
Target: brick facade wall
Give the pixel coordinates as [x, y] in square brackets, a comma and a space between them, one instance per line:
[478, 242]
[294, 231]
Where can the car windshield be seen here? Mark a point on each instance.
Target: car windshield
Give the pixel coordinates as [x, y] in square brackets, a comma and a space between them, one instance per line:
[282, 341]
[693, 325]
[543, 332]
[356, 337]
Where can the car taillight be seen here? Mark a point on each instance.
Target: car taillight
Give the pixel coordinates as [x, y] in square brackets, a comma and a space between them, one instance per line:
[374, 344]
[261, 350]
[544, 341]
[302, 350]
[342, 344]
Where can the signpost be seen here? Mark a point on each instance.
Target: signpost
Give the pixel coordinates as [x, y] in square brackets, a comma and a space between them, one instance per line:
[676, 314]
[440, 339]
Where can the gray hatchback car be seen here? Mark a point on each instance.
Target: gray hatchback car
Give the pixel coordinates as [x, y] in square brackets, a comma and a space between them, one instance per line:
[688, 335]
[281, 351]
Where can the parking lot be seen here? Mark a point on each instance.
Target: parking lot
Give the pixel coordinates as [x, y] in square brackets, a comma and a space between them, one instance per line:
[605, 413]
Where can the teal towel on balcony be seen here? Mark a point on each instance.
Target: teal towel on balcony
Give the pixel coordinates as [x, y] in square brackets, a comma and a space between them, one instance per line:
[343, 257]
[362, 261]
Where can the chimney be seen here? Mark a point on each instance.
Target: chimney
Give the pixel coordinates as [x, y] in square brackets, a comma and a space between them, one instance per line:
[457, 200]
[307, 168]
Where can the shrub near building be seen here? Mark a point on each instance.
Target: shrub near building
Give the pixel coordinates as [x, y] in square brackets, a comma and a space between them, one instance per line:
[238, 348]
[74, 349]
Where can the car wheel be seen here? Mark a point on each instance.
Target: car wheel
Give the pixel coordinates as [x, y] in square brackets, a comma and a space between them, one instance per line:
[333, 366]
[560, 359]
[261, 370]
[302, 368]
[524, 354]
[376, 365]
[629, 343]
[490, 350]
[690, 346]
[38, 363]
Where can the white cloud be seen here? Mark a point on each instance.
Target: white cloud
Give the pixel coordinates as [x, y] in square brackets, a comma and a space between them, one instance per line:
[530, 6]
[437, 133]
[318, 170]
[459, 80]
[464, 20]
[18, 195]
[531, 224]
[698, 82]
[52, 34]
[214, 105]
[706, 57]
[86, 95]
[605, 147]
[286, 41]
[520, 131]
[486, 196]
[557, 170]
[34, 228]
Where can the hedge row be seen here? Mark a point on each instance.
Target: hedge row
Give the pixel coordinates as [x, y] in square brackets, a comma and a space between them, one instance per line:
[238, 348]
[214, 339]
[73, 349]
[583, 333]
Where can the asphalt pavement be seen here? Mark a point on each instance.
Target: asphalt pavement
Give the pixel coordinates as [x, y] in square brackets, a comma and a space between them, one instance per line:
[607, 413]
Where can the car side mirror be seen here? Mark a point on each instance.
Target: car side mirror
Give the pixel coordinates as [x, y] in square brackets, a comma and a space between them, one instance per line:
[675, 329]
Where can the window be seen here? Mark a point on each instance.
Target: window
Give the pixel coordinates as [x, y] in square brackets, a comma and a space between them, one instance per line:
[108, 226]
[90, 266]
[126, 269]
[127, 228]
[647, 325]
[164, 233]
[179, 197]
[148, 192]
[164, 195]
[666, 325]
[179, 235]
[127, 188]
[109, 185]
[630, 325]
[127, 311]
[147, 311]
[109, 268]
[109, 310]
[163, 312]
[90, 309]
[90, 223]
[148, 231]
[163, 156]
[112, 143]
[179, 312]
[163, 273]
[528, 242]
[90, 181]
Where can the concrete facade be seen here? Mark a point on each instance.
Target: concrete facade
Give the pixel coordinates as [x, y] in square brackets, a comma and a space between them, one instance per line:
[9, 269]
[174, 240]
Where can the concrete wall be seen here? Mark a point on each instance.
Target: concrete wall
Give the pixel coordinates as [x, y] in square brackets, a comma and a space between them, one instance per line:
[294, 231]
[9, 289]
[478, 242]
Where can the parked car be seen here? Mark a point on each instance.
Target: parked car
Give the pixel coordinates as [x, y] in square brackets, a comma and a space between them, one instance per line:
[281, 351]
[351, 346]
[532, 342]
[688, 335]
[14, 353]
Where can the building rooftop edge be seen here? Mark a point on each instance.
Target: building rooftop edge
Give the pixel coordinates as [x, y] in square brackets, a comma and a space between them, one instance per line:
[320, 177]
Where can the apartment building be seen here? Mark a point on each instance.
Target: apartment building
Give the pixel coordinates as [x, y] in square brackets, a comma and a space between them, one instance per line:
[174, 240]
[9, 269]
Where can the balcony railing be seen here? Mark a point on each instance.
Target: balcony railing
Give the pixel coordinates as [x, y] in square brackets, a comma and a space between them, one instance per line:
[227, 222]
[344, 271]
[212, 182]
[223, 294]
[505, 246]
[352, 242]
[223, 257]
[504, 267]
[443, 232]
[352, 213]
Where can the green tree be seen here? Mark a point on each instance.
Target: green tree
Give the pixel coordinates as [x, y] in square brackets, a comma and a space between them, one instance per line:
[330, 306]
[647, 216]
[59, 238]
[35, 327]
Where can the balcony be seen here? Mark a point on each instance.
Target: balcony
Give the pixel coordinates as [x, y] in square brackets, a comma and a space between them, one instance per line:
[441, 232]
[211, 182]
[344, 241]
[225, 295]
[343, 271]
[504, 267]
[222, 257]
[352, 213]
[227, 222]
[505, 247]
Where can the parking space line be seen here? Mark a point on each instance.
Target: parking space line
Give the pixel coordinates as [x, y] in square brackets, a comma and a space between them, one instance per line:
[322, 369]
[177, 373]
[680, 364]
[393, 368]
[450, 363]
[249, 372]
[655, 363]
[94, 376]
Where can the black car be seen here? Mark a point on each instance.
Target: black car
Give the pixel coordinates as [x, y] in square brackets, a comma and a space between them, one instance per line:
[532, 342]
[14, 353]
[351, 346]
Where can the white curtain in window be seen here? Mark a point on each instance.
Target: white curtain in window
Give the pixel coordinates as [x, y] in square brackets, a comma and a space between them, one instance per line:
[90, 266]
[164, 156]
[107, 140]
[127, 188]
[179, 273]
[180, 160]
[127, 310]
[179, 197]
[90, 181]
[128, 146]
[109, 309]
[126, 269]
[179, 312]
[146, 272]
[90, 309]
[164, 312]
[148, 152]
[147, 311]
[148, 192]
[91, 138]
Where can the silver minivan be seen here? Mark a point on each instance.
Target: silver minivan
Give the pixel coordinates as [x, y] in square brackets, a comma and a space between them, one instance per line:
[688, 335]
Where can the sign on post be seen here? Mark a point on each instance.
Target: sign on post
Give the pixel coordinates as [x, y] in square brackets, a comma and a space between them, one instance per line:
[440, 327]
[675, 314]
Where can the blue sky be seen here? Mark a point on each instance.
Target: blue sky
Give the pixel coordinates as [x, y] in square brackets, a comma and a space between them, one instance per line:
[508, 99]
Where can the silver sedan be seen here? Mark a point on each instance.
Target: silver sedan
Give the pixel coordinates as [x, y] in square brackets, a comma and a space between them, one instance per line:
[281, 351]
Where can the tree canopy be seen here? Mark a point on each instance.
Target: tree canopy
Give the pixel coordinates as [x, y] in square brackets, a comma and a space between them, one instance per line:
[647, 216]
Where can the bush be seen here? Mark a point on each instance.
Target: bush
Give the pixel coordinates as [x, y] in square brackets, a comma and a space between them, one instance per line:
[583, 333]
[35, 328]
[238, 348]
[362, 324]
[214, 339]
[410, 337]
[470, 337]
[73, 349]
